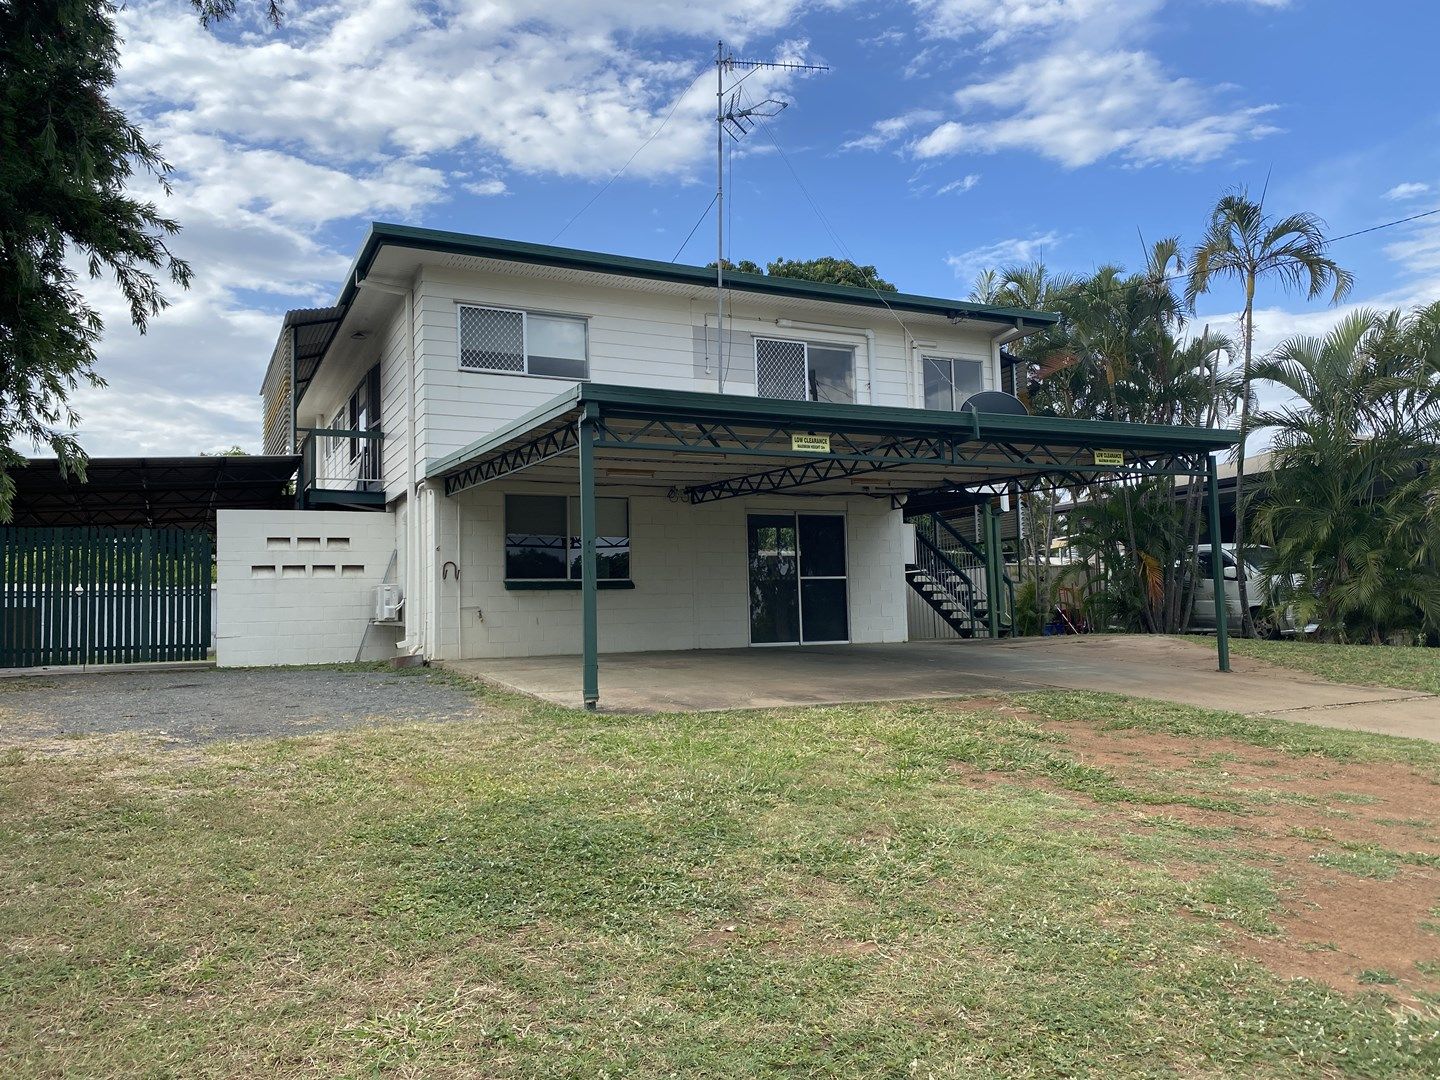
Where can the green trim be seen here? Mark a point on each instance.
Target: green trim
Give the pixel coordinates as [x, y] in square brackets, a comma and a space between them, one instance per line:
[616, 401]
[564, 584]
[488, 247]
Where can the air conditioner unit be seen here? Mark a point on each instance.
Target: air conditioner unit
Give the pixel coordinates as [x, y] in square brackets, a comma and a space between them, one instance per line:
[389, 601]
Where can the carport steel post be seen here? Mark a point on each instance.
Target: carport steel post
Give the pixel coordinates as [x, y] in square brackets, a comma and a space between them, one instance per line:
[589, 614]
[1217, 564]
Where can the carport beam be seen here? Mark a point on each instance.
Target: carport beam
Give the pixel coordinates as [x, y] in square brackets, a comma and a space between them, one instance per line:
[589, 612]
[1217, 564]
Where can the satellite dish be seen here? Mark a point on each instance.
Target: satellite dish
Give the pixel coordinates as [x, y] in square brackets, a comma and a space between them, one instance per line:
[996, 401]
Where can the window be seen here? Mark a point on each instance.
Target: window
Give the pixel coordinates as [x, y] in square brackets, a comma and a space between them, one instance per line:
[542, 538]
[523, 343]
[949, 382]
[804, 371]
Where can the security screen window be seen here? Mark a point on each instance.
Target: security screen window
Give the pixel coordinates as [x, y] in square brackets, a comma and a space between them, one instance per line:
[948, 382]
[523, 343]
[542, 538]
[803, 371]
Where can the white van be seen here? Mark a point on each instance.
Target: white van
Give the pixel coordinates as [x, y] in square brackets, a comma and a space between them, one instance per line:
[1259, 586]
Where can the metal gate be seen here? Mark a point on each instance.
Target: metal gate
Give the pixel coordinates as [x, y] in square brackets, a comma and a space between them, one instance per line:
[103, 596]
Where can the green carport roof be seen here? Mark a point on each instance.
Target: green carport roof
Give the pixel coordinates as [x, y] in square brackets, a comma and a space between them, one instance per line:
[708, 446]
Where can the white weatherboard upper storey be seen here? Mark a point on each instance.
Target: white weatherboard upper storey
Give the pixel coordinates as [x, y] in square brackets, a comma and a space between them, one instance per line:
[656, 340]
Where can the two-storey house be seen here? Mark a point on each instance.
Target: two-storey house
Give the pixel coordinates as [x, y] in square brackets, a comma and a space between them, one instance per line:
[549, 450]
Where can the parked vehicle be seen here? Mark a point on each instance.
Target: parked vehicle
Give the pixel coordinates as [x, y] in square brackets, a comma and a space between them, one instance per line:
[1267, 592]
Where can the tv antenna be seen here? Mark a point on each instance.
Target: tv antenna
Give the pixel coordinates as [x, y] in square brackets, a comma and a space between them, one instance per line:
[736, 121]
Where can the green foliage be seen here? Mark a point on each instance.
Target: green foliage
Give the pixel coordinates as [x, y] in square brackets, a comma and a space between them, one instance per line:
[69, 162]
[827, 269]
[1247, 245]
[1352, 496]
[1120, 352]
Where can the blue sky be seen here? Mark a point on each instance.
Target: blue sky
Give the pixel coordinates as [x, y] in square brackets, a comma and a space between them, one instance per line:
[949, 135]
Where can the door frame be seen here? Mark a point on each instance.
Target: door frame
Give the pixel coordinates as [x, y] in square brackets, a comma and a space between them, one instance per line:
[844, 517]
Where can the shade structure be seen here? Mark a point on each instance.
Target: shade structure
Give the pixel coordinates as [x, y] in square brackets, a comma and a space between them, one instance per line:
[703, 447]
[151, 492]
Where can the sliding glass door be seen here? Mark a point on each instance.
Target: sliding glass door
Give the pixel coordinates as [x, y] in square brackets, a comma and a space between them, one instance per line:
[797, 579]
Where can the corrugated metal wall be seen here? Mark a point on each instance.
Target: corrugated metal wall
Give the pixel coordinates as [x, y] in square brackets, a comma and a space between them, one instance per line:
[279, 436]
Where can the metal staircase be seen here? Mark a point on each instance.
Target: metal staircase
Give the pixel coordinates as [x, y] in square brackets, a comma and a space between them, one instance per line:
[952, 575]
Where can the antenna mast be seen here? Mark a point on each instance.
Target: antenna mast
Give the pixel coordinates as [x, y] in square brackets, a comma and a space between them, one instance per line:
[733, 120]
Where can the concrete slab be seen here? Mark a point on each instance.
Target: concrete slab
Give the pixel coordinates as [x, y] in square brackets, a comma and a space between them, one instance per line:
[1167, 669]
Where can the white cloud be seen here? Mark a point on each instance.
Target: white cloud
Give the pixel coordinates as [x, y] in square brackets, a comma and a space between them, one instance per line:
[962, 185]
[1409, 190]
[1001, 21]
[285, 142]
[1080, 108]
[1070, 80]
[892, 36]
[550, 87]
[1008, 252]
[884, 132]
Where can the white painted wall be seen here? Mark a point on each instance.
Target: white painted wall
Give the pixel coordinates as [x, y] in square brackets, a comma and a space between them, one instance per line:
[638, 338]
[689, 568]
[646, 339]
[297, 586]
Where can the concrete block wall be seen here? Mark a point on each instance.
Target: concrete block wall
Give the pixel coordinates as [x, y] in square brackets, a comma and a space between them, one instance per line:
[298, 586]
[689, 566]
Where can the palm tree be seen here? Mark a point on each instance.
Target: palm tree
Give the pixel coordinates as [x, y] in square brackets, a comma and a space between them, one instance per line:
[1352, 506]
[1245, 244]
[1119, 353]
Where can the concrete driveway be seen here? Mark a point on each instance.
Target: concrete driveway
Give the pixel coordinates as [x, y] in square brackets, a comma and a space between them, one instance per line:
[1168, 669]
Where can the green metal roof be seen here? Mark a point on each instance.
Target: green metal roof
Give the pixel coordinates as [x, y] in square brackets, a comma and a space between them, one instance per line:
[487, 247]
[640, 401]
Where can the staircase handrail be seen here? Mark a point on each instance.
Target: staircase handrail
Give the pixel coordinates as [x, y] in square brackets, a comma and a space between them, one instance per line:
[945, 560]
[969, 545]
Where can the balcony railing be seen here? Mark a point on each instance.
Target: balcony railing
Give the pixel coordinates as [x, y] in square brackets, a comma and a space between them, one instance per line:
[339, 466]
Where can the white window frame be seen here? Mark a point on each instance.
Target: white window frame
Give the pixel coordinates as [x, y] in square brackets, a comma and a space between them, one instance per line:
[525, 314]
[950, 359]
[807, 344]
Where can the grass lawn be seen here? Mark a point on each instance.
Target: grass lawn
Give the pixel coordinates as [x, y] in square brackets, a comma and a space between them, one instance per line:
[1055, 884]
[1363, 665]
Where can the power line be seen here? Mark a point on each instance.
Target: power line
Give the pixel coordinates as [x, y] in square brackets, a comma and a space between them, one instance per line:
[653, 136]
[1387, 225]
[834, 236]
[703, 215]
[1178, 275]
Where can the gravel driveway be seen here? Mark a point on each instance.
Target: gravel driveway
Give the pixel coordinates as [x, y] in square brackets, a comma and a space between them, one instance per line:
[186, 708]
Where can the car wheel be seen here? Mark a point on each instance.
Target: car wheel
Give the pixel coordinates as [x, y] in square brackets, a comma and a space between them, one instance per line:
[1266, 625]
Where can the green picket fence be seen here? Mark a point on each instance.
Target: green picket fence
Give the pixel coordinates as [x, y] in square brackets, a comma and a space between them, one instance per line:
[103, 596]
